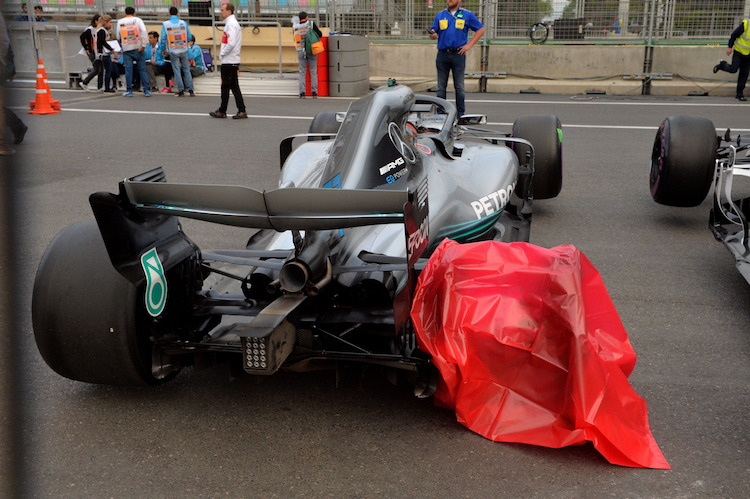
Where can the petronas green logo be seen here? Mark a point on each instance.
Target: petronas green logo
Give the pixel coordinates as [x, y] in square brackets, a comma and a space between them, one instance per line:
[156, 282]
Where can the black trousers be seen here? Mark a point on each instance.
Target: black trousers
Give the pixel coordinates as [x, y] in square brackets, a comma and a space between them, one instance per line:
[230, 81]
[13, 122]
[96, 70]
[740, 63]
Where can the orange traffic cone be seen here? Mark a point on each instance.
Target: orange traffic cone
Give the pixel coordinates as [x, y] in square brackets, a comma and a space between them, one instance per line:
[42, 104]
[40, 72]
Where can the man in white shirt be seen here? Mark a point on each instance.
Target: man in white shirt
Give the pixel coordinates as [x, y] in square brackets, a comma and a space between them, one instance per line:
[131, 33]
[231, 45]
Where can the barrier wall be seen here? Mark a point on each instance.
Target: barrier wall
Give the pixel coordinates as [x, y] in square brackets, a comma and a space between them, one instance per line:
[561, 69]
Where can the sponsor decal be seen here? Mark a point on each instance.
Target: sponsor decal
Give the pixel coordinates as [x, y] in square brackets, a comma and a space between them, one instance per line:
[417, 224]
[493, 202]
[156, 282]
[392, 178]
[419, 237]
[335, 183]
[392, 165]
[424, 148]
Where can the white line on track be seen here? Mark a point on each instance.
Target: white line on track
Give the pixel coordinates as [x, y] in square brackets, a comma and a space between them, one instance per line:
[170, 113]
[308, 118]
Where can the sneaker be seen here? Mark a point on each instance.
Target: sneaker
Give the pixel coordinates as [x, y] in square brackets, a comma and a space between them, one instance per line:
[166, 90]
[101, 89]
[217, 114]
[83, 86]
[315, 95]
[146, 93]
[155, 89]
[192, 94]
[741, 98]
[19, 138]
[110, 91]
[127, 94]
[717, 67]
[180, 94]
[302, 96]
[242, 115]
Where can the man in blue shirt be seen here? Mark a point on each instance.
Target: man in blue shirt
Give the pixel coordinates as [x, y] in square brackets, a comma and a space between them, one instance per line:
[175, 34]
[450, 28]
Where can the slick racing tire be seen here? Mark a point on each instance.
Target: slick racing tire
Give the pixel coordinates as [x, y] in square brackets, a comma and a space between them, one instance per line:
[324, 123]
[89, 321]
[545, 134]
[683, 161]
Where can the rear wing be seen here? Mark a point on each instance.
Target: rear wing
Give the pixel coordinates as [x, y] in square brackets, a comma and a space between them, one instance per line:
[144, 215]
[278, 209]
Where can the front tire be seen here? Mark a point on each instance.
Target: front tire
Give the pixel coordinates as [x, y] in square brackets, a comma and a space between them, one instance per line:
[89, 321]
[545, 134]
[683, 160]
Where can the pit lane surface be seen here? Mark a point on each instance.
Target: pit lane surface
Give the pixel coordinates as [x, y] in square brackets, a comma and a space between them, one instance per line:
[685, 307]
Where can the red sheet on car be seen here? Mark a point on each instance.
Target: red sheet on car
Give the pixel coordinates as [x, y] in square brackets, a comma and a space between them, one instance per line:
[531, 349]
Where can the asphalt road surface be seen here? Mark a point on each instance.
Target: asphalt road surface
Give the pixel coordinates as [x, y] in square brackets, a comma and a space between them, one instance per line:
[685, 307]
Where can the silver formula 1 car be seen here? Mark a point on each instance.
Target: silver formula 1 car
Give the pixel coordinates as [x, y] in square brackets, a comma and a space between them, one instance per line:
[332, 257]
[687, 158]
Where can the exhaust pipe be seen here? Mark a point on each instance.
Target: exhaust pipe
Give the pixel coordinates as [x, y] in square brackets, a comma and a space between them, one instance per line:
[309, 266]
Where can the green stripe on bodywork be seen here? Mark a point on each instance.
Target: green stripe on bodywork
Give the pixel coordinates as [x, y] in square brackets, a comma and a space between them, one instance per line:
[474, 228]
[559, 134]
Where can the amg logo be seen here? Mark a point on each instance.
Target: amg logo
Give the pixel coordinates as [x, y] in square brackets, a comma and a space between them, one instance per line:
[495, 201]
[390, 166]
[417, 239]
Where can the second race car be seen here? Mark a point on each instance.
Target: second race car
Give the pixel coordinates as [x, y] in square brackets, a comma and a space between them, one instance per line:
[687, 158]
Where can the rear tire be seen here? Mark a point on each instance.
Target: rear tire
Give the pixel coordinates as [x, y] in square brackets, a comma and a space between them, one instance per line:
[89, 321]
[683, 161]
[324, 123]
[545, 134]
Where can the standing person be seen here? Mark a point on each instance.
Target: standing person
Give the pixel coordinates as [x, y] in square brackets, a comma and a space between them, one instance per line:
[174, 41]
[8, 72]
[38, 13]
[24, 15]
[450, 28]
[107, 53]
[231, 45]
[100, 48]
[739, 43]
[306, 61]
[87, 38]
[131, 33]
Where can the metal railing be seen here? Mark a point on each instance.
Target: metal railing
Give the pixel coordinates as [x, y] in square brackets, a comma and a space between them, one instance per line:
[598, 21]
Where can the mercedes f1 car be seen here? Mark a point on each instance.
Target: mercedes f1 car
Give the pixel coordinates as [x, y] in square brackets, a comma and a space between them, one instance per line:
[330, 265]
[687, 158]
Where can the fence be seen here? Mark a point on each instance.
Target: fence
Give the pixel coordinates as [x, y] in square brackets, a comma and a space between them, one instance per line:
[598, 21]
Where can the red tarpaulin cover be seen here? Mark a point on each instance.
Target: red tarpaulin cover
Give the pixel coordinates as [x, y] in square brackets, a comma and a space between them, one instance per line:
[531, 349]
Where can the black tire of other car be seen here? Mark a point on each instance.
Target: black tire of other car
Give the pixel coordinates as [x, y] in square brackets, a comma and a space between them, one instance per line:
[545, 134]
[324, 123]
[683, 161]
[90, 322]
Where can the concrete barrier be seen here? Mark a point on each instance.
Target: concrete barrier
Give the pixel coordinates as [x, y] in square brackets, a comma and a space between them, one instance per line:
[565, 69]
